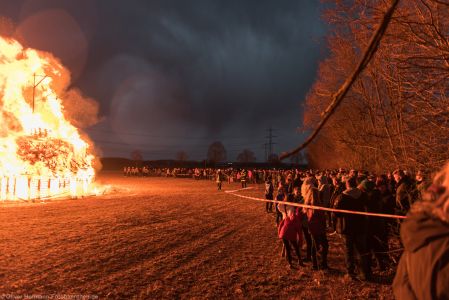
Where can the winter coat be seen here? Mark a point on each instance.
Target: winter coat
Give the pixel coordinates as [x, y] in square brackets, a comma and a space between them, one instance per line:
[316, 219]
[387, 203]
[423, 270]
[220, 177]
[290, 227]
[355, 200]
[325, 194]
[279, 197]
[325, 191]
[404, 195]
[336, 191]
[376, 225]
[305, 222]
[297, 182]
[269, 190]
[290, 187]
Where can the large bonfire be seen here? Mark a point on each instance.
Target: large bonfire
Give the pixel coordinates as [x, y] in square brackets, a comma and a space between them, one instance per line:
[41, 153]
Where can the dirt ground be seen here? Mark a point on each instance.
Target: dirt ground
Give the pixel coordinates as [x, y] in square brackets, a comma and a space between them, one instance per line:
[152, 238]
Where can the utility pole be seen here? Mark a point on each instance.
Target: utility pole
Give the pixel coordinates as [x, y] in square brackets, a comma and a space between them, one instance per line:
[265, 148]
[270, 143]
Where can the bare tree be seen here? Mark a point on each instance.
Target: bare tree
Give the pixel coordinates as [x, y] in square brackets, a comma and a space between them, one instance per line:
[216, 152]
[246, 156]
[396, 112]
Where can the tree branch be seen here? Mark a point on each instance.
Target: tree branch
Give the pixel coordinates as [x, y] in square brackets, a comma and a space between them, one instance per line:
[340, 94]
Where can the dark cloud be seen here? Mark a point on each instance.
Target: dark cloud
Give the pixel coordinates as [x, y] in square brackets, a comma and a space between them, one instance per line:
[177, 75]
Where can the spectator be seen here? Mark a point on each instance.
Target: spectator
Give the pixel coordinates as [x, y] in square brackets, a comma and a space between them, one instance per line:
[325, 189]
[269, 190]
[423, 270]
[219, 179]
[420, 184]
[353, 228]
[279, 197]
[376, 232]
[305, 228]
[404, 191]
[316, 223]
[289, 230]
[243, 178]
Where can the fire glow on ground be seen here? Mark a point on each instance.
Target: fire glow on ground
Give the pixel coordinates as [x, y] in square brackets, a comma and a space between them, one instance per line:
[160, 238]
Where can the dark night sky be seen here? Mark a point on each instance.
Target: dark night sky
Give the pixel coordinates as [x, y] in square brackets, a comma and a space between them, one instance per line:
[178, 75]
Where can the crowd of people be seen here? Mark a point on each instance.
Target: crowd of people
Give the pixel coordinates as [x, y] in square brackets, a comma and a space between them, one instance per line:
[353, 190]
[366, 238]
[148, 171]
[424, 234]
[423, 270]
[229, 174]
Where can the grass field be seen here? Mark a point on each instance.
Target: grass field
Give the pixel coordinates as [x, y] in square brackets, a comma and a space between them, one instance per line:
[157, 238]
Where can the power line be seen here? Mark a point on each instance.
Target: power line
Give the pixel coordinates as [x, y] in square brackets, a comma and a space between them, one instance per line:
[265, 145]
[167, 136]
[228, 146]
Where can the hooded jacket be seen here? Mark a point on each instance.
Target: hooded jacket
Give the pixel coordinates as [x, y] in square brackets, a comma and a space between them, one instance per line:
[355, 200]
[423, 271]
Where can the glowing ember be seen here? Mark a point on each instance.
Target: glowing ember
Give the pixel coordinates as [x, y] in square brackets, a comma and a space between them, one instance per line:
[41, 153]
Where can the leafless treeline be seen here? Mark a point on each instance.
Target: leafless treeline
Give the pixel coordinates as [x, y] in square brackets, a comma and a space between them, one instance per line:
[397, 112]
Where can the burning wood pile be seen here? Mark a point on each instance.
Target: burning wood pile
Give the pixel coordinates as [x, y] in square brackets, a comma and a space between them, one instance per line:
[41, 153]
[48, 152]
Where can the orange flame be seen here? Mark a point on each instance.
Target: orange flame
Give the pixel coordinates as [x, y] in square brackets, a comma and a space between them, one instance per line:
[41, 153]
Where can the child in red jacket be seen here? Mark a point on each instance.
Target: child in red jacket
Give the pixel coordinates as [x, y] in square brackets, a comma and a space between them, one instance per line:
[289, 230]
